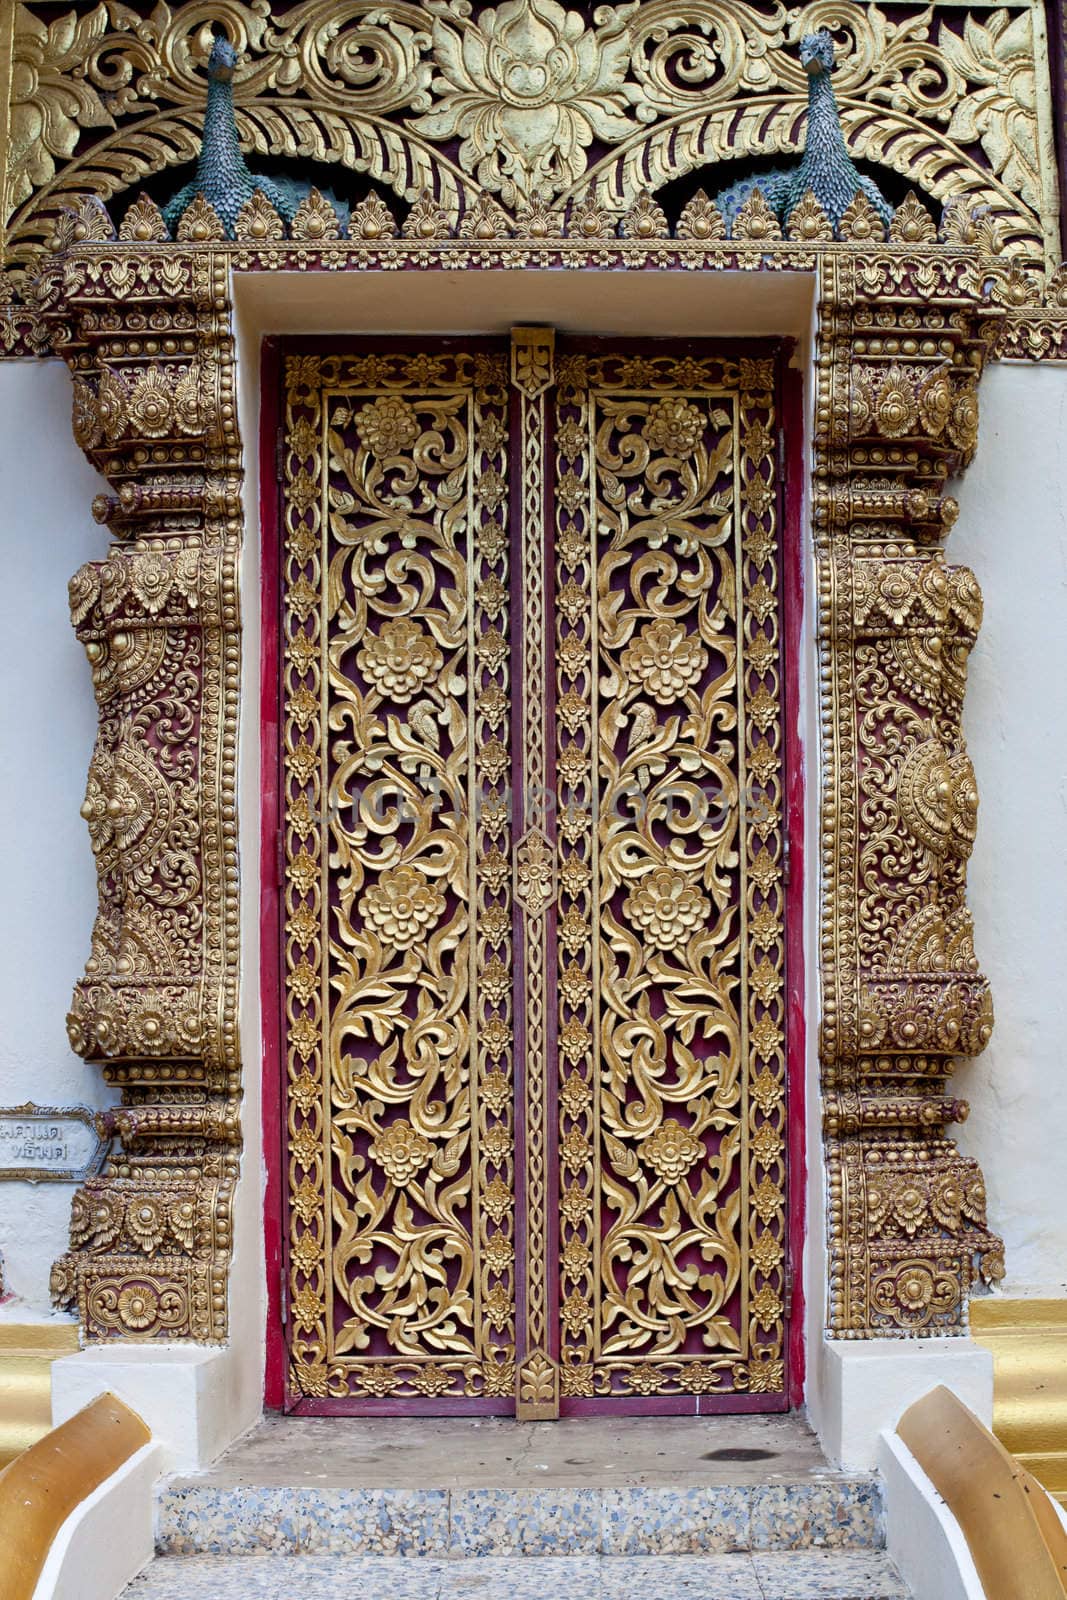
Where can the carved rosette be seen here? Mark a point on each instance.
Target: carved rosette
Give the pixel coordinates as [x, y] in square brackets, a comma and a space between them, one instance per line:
[150, 353]
[902, 350]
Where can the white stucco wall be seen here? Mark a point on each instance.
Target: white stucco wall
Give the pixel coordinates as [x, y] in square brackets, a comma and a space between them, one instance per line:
[47, 724]
[1013, 532]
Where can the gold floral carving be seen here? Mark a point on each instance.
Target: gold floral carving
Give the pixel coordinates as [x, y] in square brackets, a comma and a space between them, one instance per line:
[670, 925]
[397, 877]
[529, 102]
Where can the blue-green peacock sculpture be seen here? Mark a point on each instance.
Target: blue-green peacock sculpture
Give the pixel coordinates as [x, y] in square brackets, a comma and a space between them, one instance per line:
[222, 174]
[826, 168]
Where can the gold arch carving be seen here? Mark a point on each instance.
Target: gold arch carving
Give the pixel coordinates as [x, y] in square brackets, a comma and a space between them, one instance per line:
[418, 98]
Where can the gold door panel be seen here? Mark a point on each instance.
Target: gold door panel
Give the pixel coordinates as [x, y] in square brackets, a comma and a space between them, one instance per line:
[670, 920]
[397, 875]
[625, 1075]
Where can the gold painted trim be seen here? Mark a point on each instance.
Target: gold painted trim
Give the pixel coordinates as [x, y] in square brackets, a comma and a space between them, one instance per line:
[1028, 1342]
[26, 1355]
[1017, 1541]
[40, 1489]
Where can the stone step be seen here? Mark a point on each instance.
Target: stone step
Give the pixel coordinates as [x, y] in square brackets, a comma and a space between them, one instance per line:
[835, 1511]
[454, 1488]
[792, 1575]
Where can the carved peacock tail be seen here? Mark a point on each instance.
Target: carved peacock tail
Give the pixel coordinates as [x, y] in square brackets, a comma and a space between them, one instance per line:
[223, 177]
[825, 169]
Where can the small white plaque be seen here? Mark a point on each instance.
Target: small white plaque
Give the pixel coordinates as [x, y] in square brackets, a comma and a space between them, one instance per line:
[50, 1144]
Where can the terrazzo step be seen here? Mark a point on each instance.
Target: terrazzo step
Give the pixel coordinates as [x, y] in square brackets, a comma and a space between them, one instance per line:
[835, 1512]
[794, 1575]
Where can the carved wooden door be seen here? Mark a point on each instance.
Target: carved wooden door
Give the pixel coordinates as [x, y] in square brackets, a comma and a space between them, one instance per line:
[533, 877]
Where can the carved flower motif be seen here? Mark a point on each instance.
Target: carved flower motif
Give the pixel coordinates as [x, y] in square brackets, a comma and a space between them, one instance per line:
[667, 907]
[387, 426]
[664, 659]
[674, 426]
[401, 1151]
[766, 1307]
[575, 1204]
[644, 1380]
[672, 1150]
[496, 1036]
[915, 1288]
[399, 659]
[138, 1305]
[400, 905]
[145, 1221]
[151, 579]
[431, 1381]
[496, 1091]
[909, 1206]
[575, 1042]
[378, 1380]
[574, 985]
[111, 403]
[499, 1252]
[86, 417]
[499, 1379]
[765, 1376]
[766, 1253]
[946, 1201]
[526, 89]
[896, 592]
[895, 410]
[150, 407]
[576, 1312]
[495, 980]
[575, 1258]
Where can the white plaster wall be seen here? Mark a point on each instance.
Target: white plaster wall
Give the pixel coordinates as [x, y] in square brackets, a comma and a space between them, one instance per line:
[1013, 532]
[47, 725]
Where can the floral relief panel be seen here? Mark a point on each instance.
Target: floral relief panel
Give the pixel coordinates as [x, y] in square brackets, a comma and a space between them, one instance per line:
[671, 907]
[397, 871]
[656, 1206]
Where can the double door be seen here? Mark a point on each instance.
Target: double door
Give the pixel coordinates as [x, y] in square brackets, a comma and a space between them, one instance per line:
[533, 901]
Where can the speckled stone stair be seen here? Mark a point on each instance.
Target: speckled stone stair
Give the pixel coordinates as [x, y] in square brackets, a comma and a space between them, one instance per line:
[789, 1575]
[451, 1490]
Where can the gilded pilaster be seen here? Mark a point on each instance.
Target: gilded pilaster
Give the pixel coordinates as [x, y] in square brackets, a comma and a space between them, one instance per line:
[150, 350]
[902, 345]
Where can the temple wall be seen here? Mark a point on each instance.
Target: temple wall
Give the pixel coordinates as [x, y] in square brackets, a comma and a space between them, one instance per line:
[1013, 532]
[47, 727]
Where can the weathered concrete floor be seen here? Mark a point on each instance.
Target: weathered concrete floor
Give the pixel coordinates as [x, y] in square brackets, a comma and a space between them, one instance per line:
[497, 1453]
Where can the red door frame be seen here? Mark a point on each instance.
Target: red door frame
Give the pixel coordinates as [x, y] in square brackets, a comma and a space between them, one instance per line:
[791, 412]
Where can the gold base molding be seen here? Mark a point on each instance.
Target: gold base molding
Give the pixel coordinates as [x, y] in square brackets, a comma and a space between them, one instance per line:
[1016, 1539]
[26, 1355]
[1028, 1341]
[40, 1489]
